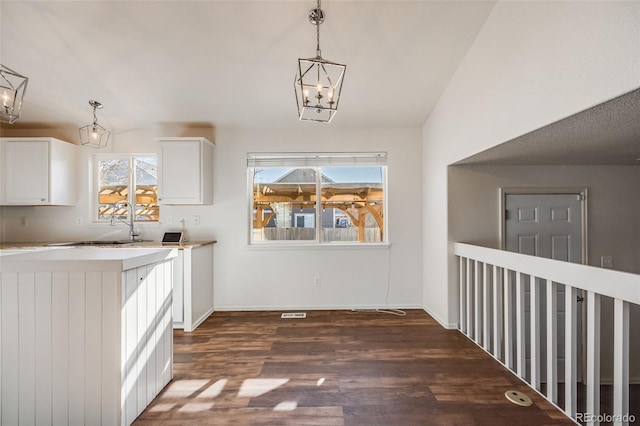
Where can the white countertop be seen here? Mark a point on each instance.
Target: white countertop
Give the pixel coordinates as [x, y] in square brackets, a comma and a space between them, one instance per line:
[35, 245]
[104, 259]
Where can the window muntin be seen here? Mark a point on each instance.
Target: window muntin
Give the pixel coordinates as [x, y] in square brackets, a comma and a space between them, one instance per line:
[131, 178]
[284, 200]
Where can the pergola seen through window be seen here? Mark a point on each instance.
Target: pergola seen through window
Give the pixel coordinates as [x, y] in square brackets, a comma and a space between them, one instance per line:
[323, 198]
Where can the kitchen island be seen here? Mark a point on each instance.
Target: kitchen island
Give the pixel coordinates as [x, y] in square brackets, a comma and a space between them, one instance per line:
[192, 273]
[86, 335]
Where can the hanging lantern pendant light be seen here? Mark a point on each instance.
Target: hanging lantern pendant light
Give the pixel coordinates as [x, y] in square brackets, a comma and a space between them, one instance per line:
[318, 76]
[94, 135]
[13, 87]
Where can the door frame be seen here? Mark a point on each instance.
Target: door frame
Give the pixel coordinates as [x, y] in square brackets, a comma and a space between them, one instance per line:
[502, 200]
[583, 192]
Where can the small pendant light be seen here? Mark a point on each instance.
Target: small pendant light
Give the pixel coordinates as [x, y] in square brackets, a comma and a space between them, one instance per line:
[94, 135]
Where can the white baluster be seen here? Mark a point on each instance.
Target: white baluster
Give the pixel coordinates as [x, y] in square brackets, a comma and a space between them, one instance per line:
[508, 317]
[469, 301]
[486, 308]
[520, 332]
[552, 341]
[478, 302]
[535, 332]
[463, 295]
[621, 361]
[497, 311]
[593, 355]
[570, 350]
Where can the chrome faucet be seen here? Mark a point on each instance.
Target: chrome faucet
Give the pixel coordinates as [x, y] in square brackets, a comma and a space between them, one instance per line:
[132, 233]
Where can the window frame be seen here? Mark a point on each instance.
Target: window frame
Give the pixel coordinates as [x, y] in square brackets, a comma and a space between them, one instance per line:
[317, 161]
[131, 193]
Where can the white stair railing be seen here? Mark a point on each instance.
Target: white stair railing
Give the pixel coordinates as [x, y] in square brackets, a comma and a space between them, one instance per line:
[492, 314]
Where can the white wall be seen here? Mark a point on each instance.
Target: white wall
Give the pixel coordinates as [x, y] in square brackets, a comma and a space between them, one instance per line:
[253, 278]
[283, 278]
[532, 64]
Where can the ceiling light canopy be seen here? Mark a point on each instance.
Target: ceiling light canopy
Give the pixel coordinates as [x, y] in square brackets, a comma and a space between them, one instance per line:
[94, 135]
[318, 82]
[12, 89]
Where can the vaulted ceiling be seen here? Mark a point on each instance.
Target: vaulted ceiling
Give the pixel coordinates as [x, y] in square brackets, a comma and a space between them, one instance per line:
[231, 63]
[214, 63]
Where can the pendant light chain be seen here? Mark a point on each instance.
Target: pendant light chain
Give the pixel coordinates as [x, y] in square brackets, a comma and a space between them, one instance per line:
[318, 22]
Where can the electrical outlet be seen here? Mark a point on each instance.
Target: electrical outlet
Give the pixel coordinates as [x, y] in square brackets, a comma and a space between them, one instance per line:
[169, 220]
[79, 220]
[23, 221]
[196, 220]
[182, 222]
[316, 281]
[606, 261]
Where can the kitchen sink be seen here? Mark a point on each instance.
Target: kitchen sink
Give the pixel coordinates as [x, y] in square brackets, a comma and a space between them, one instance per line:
[100, 243]
[94, 243]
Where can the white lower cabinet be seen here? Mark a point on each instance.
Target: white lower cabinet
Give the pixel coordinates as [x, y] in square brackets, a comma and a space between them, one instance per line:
[89, 347]
[192, 286]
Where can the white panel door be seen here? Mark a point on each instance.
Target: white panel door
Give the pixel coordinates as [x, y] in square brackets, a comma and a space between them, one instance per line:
[546, 225]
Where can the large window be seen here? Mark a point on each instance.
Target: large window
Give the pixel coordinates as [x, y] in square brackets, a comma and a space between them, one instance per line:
[321, 198]
[130, 178]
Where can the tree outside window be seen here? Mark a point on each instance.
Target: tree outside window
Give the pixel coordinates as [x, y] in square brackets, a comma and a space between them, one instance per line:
[131, 178]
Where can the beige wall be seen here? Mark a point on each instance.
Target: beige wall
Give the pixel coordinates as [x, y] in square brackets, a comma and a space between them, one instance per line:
[613, 211]
[613, 205]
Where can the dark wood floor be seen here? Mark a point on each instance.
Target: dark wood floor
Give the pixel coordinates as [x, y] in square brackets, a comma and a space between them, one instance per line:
[337, 368]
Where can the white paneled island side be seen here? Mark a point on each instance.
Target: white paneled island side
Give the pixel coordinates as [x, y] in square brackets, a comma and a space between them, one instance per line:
[86, 334]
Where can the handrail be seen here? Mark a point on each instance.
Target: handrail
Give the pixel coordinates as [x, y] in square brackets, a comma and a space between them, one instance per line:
[493, 286]
[589, 278]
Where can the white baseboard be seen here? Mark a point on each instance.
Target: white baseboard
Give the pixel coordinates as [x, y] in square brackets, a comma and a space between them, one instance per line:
[179, 325]
[310, 307]
[445, 324]
[201, 319]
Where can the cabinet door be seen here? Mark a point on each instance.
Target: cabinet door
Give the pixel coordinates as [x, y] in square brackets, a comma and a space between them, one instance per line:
[26, 165]
[180, 172]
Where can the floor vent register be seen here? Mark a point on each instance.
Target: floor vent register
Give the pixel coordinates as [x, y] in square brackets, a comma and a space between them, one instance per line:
[293, 315]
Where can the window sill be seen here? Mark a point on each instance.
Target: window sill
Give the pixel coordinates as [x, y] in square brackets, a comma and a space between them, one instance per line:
[317, 246]
[149, 225]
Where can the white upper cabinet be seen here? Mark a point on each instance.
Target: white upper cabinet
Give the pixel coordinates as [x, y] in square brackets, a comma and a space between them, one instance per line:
[185, 171]
[37, 171]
